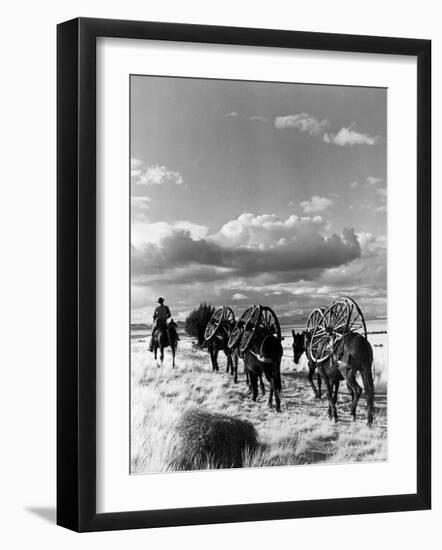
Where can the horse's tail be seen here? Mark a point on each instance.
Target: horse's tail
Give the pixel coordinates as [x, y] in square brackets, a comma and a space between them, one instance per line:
[367, 380]
[278, 378]
[271, 349]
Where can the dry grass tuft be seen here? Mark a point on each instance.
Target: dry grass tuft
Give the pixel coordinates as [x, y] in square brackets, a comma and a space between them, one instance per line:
[204, 439]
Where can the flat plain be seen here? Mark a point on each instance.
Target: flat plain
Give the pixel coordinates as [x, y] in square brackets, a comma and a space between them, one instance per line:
[301, 434]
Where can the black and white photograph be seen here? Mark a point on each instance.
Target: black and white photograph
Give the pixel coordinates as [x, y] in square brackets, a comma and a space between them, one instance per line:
[258, 274]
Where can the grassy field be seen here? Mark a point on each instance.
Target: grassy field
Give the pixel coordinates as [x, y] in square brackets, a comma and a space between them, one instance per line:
[300, 434]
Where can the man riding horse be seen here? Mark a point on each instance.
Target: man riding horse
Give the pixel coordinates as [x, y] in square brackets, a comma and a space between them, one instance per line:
[160, 317]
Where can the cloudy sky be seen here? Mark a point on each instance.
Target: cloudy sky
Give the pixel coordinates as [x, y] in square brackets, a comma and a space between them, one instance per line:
[254, 192]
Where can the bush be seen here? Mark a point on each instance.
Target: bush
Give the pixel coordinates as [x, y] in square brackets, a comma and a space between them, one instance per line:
[197, 320]
[207, 440]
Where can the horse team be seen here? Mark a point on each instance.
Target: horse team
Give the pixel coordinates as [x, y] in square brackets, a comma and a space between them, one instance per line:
[259, 345]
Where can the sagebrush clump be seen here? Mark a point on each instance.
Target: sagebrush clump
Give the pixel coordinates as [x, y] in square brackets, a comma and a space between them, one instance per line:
[210, 440]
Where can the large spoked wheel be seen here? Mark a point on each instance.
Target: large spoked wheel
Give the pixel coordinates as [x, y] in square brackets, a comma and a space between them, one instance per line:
[223, 317]
[235, 335]
[214, 323]
[356, 321]
[270, 322]
[314, 319]
[228, 318]
[330, 328]
[250, 327]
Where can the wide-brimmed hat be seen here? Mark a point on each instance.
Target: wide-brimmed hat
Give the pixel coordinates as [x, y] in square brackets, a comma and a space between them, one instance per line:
[160, 300]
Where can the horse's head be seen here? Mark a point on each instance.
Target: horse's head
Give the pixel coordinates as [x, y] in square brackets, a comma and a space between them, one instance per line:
[299, 345]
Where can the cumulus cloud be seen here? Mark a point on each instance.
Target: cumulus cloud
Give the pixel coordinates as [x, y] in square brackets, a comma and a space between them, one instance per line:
[135, 168]
[159, 175]
[139, 206]
[144, 232]
[315, 204]
[239, 296]
[303, 122]
[371, 180]
[303, 252]
[142, 174]
[350, 137]
[265, 230]
[307, 123]
[293, 277]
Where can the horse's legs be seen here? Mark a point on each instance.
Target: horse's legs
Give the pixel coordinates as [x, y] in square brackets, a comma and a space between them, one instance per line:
[270, 401]
[356, 393]
[277, 400]
[311, 372]
[261, 384]
[274, 390]
[319, 385]
[229, 367]
[161, 354]
[350, 391]
[335, 394]
[332, 414]
[249, 384]
[254, 384]
[367, 379]
[173, 356]
[235, 366]
[214, 358]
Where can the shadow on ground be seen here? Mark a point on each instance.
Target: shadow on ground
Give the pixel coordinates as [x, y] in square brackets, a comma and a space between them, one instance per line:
[47, 513]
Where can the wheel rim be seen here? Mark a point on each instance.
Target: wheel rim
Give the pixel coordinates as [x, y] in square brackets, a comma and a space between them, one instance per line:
[314, 318]
[270, 322]
[237, 332]
[330, 327]
[356, 321]
[250, 328]
[214, 323]
[229, 317]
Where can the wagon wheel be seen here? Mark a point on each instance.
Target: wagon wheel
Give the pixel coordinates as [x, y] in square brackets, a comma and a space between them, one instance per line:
[214, 322]
[356, 321]
[236, 333]
[270, 322]
[314, 318]
[330, 328]
[228, 317]
[250, 328]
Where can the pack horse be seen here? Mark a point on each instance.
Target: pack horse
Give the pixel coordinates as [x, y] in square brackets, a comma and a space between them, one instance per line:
[217, 335]
[336, 344]
[258, 338]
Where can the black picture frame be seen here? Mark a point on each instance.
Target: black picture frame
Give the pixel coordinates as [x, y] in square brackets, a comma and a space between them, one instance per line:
[76, 273]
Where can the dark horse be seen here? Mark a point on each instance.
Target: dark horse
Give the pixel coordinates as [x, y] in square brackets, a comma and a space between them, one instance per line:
[352, 354]
[264, 357]
[299, 347]
[166, 335]
[218, 343]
